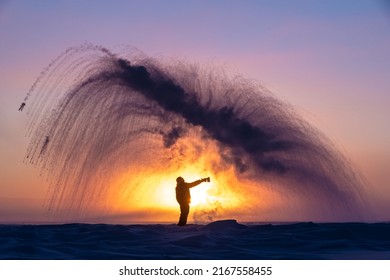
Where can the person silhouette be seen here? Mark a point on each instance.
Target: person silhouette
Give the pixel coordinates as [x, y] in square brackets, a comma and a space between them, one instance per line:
[183, 197]
[22, 106]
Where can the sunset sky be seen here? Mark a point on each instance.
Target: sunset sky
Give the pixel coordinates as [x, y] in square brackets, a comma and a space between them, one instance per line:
[330, 59]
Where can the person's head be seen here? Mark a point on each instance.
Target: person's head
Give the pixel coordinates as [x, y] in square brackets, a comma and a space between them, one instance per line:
[179, 180]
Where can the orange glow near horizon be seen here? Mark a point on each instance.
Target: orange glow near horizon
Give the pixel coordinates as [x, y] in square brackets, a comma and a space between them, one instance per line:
[202, 196]
[152, 188]
[145, 191]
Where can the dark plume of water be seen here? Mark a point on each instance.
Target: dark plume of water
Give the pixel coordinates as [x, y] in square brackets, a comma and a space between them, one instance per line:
[95, 115]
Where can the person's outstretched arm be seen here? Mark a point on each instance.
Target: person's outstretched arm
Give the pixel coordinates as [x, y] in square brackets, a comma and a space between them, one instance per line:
[195, 183]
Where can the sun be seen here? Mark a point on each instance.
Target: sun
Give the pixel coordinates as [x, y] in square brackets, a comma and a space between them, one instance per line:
[200, 194]
[164, 195]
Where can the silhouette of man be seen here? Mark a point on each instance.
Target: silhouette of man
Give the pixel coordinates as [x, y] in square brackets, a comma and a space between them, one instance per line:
[22, 106]
[183, 197]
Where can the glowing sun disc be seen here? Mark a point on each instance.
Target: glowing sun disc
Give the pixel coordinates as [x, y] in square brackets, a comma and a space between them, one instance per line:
[199, 194]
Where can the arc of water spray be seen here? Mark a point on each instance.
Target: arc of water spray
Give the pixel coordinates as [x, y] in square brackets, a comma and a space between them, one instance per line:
[111, 102]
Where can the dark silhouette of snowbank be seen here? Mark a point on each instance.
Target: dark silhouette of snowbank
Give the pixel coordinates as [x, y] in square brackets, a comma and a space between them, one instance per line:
[218, 240]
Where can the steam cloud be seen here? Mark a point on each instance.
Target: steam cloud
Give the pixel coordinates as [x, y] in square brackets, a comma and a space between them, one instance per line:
[96, 115]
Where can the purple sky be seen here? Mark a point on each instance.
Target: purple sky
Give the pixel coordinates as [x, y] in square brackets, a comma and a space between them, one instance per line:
[330, 59]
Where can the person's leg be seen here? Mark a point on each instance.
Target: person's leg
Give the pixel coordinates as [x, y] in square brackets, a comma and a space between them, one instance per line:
[184, 211]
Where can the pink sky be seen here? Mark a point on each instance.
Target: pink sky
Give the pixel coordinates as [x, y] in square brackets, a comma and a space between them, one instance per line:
[331, 60]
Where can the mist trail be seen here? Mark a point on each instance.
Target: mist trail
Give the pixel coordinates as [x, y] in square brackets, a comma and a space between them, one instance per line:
[96, 116]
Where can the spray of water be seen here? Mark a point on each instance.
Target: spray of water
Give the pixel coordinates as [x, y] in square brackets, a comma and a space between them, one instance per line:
[108, 126]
